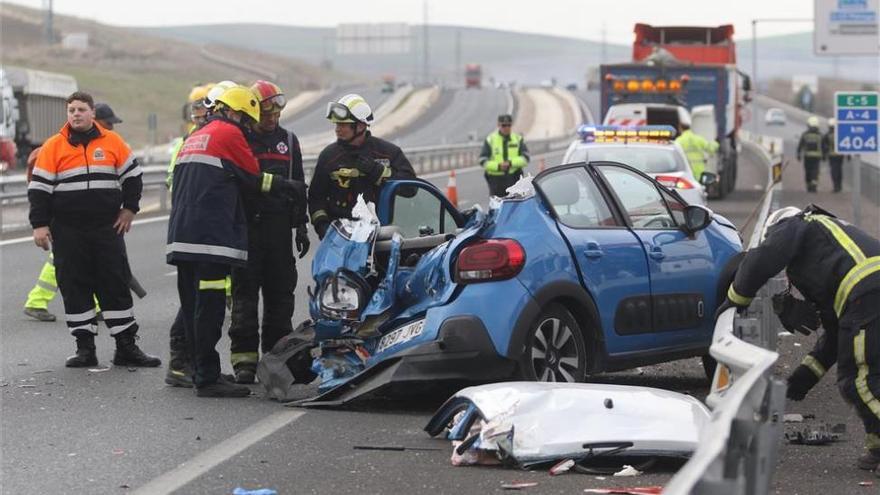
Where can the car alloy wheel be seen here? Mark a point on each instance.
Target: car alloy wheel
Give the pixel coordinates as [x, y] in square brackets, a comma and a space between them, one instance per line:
[555, 351]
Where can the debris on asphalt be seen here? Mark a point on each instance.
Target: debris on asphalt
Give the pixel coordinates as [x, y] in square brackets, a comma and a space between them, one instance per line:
[42, 371]
[793, 418]
[821, 434]
[125, 485]
[190, 418]
[394, 448]
[132, 370]
[259, 491]
[99, 370]
[562, 467]
[866, 483]
[27, 386]
[519, 485]
[118, 452]
[635, 490]
[628, 471]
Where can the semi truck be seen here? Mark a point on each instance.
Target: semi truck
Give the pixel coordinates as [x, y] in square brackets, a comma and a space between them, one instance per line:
[473, 76]
[40, 98]
[691, 67]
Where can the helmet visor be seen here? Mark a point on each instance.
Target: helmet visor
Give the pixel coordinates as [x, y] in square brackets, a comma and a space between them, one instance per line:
[273, 103]
[337, 112]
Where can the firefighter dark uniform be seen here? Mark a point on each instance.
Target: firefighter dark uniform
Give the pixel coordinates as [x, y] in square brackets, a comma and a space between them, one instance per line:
[79, 183]
[835, 266]
[207, 232]
[344, 171]
[498, 148]
[835, 159]
[809, 150]
[271, 265]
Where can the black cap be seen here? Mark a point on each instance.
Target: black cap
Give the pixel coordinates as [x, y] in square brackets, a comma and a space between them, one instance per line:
[104, 112]
[505, 118]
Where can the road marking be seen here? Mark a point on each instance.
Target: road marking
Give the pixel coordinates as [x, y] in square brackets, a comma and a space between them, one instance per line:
[19, 240]
[218, 454]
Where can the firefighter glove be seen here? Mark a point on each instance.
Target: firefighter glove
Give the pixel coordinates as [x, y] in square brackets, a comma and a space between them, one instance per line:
[321, 227]
[302, 241]
[800, 382]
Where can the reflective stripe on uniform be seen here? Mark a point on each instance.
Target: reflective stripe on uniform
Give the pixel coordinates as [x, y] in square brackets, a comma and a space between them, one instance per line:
[85, 316]
[86, 169]
[244, 358]
[213, 284]
[736, 298]
[89, 327]
[862, 375]
[45, 174]
[115, 315]
[814, 365]
[200, 158]
[134, 172]
[208, 249]
[386, 173]
[85, 185]
[36, 185]
[117, 329]
[319, 214]
[863, 266]
[266, 186]
[47, 286]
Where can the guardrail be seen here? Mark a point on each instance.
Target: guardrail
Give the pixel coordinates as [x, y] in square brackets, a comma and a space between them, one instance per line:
[739, 447]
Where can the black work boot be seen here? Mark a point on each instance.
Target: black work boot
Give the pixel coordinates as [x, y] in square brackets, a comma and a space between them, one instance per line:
[85, 351]
[129, 354]
[869, 460]
[246, 373]
[179, 372]
[222, 388]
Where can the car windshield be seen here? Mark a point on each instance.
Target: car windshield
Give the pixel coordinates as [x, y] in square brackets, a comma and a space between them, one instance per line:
[651, 160]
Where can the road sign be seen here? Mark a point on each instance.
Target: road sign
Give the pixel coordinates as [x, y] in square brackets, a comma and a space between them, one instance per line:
[857, 122]
[846, 27]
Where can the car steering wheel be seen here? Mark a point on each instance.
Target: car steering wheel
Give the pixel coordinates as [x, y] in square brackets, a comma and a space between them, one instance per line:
[661, 221]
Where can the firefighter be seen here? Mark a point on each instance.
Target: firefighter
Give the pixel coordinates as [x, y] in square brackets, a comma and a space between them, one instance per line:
[81, 210]
[836, 267]
[504, 156]
[179, 372]
[357, 163]
[271, 265]
[809, 150]
[835, 159]
[207, 229]
[695, 147]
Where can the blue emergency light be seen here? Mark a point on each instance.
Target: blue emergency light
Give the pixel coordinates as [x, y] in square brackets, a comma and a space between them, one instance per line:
[626, 134]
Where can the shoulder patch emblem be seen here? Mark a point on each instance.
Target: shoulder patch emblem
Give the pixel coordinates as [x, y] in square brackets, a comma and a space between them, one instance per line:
[98, 155]
[281, 147]
[196, 143]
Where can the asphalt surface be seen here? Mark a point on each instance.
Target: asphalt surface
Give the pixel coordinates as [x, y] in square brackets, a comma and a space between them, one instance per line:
[121, 431]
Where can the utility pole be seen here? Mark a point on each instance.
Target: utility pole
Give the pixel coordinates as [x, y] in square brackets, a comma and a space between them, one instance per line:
[426, 68]
[50, 33]
[457, 72]
[755, 45]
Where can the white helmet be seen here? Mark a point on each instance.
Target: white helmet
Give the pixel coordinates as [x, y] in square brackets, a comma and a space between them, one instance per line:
[813, 121]
[349, 109]
[216, 91]
[776, 217]
[832, 122]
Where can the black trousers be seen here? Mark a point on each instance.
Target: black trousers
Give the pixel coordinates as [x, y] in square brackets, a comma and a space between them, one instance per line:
[202, 291]
[92, 260]
[498, 184]
[836, 165]
[811, 173]
[271, 269]
[858, 375]
[177, 343]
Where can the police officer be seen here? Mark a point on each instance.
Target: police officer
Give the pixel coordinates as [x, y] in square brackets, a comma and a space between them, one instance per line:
[271, 265]
[836, 267]
[695, 147]
[207, 229]
[357, 163]
[809, 150]
[835, 159]
[504, 156]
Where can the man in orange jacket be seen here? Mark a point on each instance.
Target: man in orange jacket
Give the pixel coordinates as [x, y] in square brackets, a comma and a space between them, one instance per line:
[84, 193]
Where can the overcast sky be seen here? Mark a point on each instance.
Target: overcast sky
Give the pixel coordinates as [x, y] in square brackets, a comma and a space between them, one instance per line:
[573, 18]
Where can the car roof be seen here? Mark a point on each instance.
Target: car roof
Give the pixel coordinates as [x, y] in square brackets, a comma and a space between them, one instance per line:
[661, 145]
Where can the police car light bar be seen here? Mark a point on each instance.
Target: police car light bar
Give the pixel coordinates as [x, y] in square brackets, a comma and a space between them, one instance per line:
[626, 134]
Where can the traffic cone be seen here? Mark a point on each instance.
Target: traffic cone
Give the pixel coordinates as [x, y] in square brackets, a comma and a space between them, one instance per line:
[452, 189]
[542, 165]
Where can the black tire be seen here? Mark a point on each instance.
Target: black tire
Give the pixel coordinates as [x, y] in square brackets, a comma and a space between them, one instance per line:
[555, 350]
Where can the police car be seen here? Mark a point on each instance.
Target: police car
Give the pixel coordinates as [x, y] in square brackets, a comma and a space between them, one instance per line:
[650, 149]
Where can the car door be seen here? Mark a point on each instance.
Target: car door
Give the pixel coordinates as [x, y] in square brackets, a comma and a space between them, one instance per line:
[418, 209]
[611, 260]
[680, 264]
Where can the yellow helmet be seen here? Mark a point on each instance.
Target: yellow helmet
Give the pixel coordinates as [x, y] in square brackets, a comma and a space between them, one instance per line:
[199, 92]
[241, 99]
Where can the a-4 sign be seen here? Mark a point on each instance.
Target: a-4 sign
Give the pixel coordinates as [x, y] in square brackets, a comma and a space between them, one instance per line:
[857, 122]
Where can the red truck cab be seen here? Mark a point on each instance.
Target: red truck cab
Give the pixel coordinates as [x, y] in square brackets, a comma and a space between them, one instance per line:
[704, 45]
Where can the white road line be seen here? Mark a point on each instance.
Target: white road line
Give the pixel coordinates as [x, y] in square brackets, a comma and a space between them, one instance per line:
[216, 455]
[19, 240]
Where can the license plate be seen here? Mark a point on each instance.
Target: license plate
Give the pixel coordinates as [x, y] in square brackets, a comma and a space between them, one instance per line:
[401, 335]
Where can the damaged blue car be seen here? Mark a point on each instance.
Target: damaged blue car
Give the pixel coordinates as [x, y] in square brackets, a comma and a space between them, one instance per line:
[588, 267]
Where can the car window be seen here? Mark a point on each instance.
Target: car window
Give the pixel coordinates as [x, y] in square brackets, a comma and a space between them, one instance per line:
[651, 160]
[675, 207]
[640, 198]
[576, 200]
[419, 214]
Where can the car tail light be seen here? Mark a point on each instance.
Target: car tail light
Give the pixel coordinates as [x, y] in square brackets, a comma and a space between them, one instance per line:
[674, 182]
[491, 259]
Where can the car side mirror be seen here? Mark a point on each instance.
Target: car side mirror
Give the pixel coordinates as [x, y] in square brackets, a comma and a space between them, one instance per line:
[708, 178]
[696, 218]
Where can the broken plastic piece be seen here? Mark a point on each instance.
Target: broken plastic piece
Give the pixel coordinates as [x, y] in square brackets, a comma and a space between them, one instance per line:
[628, 471]
[519, 485]
[259, 491]
[99, 370]
[866, 483]
[636, 490]
[793, 418]
[562, 467]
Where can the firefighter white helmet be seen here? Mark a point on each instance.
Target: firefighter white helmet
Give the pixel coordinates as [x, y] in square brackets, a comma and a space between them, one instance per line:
[216, 91]
[776, 217]
[349, 109]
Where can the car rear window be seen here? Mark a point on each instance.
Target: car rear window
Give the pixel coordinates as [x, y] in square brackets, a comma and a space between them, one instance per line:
[647, 159]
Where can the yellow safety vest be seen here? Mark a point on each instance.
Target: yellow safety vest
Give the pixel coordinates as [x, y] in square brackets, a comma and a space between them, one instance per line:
[496, 142]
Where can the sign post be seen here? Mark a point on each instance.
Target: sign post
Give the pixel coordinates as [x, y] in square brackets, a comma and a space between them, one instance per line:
[858, 119]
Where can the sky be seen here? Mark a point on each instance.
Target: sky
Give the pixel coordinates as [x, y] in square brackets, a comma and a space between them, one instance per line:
[584, 19]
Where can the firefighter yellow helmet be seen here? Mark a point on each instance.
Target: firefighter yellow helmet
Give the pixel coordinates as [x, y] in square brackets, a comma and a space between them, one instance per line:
[198, 93]
[241, 99]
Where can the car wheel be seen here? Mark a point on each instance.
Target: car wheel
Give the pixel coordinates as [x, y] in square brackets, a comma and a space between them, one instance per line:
[555, 350]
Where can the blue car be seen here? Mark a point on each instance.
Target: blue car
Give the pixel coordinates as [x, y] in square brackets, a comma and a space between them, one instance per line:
[588, 267]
